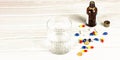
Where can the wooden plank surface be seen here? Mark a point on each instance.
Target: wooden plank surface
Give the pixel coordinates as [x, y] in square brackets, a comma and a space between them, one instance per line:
[23, 27]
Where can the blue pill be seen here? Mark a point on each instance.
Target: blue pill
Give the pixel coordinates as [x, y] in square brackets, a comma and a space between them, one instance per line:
[84, 40]
[91, 34]
[96, 39]
[76, 34]
[84, 47]
[105, 33]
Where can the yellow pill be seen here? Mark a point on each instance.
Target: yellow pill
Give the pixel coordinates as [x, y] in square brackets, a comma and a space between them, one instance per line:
[80, 38]
[79, 54]
[102, 38]
[82, 51]
[96, 33]
[89, 47]
[86, 43]
[80, 26]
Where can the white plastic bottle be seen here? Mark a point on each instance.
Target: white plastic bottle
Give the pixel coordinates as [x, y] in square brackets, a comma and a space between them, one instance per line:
[59, 34]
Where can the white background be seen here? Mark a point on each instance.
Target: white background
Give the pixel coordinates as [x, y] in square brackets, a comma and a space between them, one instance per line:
[23, 28]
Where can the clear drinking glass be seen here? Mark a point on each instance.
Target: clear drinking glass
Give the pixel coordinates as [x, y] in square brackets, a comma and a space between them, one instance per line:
[59, 34]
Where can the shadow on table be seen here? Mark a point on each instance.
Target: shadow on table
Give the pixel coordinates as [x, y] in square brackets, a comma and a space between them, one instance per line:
[77, 18]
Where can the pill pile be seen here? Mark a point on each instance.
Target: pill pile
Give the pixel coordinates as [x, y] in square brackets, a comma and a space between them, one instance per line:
[86, 41]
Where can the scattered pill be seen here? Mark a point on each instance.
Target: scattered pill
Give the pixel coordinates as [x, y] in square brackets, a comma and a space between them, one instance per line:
[82, 51]
[105, 33]
[102, 38]
[96, 39]
[86, 43]
[76, 34]
[80, 38]
[83, 25]
[89, 40]
[80, 41]
[91, 34]
[79, 54]
[84, 47]
[85, 50]
[88, 47]
[80, 26]
[102, 41]
[91, 47]
[84, 40]
[94, 32]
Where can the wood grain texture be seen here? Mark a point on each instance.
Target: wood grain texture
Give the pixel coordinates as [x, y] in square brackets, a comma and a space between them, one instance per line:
[23, 26]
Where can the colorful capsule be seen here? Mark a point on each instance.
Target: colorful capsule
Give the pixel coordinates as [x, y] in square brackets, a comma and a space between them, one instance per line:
[82, 26]
[90, 47]
[82, 50]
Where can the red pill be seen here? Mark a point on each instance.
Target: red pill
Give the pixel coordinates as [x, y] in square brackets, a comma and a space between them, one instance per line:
[92, 47]
[83, 25]
[102, 41]
[93, 32]
[80, 41]
[85, 50]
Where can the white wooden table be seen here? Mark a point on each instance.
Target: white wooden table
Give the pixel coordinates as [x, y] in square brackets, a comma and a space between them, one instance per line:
[23, 28]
